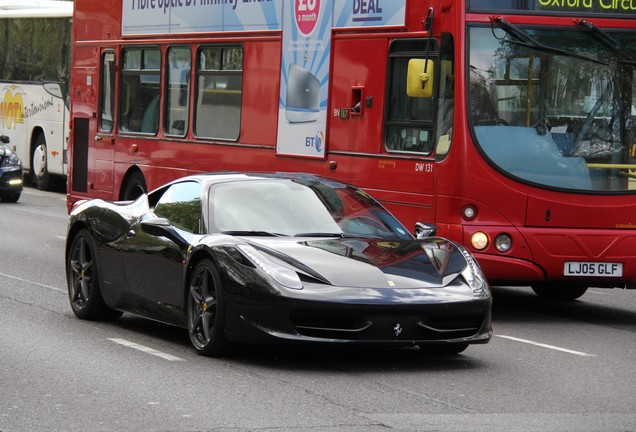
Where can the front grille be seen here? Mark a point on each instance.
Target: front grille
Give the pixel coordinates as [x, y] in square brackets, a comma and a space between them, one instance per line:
[329, 326]
[379, 325]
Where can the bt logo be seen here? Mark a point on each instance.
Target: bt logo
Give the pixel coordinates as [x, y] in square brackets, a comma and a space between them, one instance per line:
[315, 141]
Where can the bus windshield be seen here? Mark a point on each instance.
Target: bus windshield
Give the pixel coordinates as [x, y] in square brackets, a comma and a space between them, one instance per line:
[555, 107]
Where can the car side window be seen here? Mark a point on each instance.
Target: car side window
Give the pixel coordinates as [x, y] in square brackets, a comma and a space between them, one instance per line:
[181, 205]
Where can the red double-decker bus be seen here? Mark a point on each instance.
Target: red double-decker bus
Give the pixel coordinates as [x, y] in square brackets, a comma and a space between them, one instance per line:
[510, 124]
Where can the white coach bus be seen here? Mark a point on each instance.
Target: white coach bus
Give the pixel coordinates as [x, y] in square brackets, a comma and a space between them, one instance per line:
[35, 53]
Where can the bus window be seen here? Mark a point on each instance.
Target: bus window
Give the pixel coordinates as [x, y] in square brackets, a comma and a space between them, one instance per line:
[178, 90]
[631, 134]
[139, 99]
[445, 109]
[409, 120]
[219, 90]
[35, 48]
[107, 92]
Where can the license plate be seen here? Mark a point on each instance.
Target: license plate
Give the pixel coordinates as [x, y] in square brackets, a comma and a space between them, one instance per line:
[595, 269]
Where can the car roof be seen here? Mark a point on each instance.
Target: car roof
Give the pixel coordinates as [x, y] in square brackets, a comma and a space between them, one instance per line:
[211, 178]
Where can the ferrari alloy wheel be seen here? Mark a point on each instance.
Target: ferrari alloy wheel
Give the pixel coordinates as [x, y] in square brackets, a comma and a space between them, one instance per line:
[205, 311]
[82, 281]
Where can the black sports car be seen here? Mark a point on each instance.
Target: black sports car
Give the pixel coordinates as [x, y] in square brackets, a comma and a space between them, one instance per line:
[10, 172]
[266, 258]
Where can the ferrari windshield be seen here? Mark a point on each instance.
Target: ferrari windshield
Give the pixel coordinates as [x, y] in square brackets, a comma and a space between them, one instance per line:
[289, 208]
[556, 107]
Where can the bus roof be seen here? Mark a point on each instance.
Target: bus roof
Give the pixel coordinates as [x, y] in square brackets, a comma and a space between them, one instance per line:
[35, 8]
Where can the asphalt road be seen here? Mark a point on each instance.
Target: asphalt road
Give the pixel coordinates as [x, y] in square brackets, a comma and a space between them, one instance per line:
[549, 367]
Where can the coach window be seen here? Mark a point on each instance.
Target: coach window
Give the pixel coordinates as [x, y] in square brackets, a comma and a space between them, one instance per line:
[178, 67]
[409, 124]
[107, 92]
[140, 90]
[219, 89]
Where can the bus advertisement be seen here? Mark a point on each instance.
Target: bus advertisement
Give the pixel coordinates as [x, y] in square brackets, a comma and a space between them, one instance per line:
[35, 48]
[509, 124]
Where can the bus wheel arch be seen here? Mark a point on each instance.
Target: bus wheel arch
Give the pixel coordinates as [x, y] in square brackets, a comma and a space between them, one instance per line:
[38, 163]
[133, 185]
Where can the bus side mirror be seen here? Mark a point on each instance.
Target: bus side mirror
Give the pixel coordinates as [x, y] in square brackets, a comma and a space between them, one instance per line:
[423, 230]
[419, 82]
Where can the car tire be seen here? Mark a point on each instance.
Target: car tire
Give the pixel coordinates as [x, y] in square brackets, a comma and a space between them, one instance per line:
[10, 197]
[82, 280]
[206, 312]
[556, 292]
[444, 349]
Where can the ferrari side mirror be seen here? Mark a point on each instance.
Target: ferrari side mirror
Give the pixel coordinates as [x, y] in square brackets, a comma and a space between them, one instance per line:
[160, 227]
[423, 230]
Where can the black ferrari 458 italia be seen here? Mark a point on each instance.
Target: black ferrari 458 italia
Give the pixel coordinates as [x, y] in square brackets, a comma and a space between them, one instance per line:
[270, 258]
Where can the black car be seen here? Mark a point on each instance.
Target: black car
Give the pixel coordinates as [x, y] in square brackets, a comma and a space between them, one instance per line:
[10, 172]
[269, 258]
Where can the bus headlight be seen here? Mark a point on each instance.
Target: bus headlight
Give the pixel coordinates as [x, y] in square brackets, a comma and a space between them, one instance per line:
[503, 243]
[479, 241]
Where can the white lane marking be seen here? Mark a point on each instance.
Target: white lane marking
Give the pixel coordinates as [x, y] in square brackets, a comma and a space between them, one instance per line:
[542, 345]
[60, 237]
[145, 349]
[32, 283]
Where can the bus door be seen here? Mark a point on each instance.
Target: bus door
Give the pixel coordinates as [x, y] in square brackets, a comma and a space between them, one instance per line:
[104, 139]
[357, 89]
[92, 123]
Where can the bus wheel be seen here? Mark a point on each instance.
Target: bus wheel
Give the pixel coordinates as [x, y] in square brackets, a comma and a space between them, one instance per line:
[135, 187]
[39, 169]
[556, 292]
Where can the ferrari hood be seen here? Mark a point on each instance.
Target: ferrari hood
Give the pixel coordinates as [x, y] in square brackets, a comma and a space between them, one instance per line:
[432, 262]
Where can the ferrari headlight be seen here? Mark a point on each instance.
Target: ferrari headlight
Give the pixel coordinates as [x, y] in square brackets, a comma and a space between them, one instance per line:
[283, 275]
[472, 273]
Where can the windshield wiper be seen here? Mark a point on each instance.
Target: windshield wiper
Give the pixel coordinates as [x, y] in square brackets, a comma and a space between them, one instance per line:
[524, 39]
[319, 234]
[622, 54]
[253, 233]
